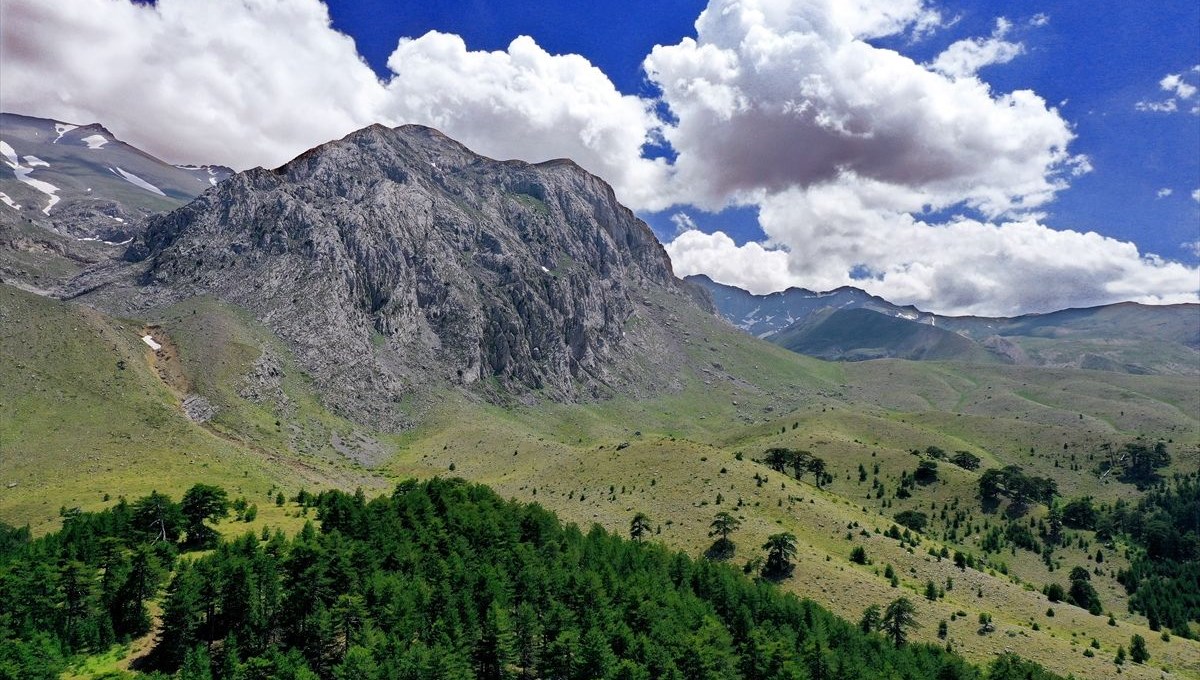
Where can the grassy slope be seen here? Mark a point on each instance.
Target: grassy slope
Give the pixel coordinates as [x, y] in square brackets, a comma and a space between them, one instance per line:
[84, 428]
[74, 426]
[566, 458]
[865, 334]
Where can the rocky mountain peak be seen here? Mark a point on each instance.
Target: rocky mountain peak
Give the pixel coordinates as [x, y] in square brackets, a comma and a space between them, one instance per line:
[400, 260]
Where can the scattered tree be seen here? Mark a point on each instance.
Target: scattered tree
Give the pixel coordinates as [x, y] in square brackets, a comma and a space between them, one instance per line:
[1137, 649]
[201, 503]
[722, 526]
[639, 526]
[781, 549]
[898, 619]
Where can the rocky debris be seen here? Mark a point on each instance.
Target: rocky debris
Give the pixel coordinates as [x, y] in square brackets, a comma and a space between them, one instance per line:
[198, 409]
[361, 448]
[396, 260]
[264, 382]
[1006, 349]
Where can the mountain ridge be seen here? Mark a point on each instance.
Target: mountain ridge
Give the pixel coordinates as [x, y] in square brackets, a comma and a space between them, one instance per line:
[1112, 337]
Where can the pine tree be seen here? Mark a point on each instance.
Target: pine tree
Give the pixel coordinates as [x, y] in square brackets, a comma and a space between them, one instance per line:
[639, 526]
[196, 665]
[1137, 649]
[898, 618]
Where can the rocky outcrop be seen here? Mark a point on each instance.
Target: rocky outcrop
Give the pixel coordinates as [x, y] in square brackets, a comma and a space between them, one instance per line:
[396, 260]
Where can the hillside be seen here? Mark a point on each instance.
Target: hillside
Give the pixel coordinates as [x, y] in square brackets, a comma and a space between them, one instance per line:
[81, 181]
[441, 579]
[858, 334]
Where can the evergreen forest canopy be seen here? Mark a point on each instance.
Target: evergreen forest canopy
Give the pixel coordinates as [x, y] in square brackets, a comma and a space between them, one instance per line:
[441, 579]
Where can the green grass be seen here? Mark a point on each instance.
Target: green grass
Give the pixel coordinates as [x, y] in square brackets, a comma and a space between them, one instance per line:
[84, 415]
[78, 427]
[105, 666]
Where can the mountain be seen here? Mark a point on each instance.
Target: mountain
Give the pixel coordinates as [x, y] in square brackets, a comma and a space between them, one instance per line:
[765, 315]
[83, 182]
[848, 324]
[71, 196]
[396, 261]
[859, 333]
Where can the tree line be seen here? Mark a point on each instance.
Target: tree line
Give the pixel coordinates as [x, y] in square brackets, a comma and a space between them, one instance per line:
[440, 579]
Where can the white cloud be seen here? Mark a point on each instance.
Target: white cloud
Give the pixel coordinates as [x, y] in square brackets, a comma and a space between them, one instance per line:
[526, 103]
[773, 95]
[1165, 106]
[750, 266]
[963, 266]
[221, 81]
[1192, 247]
[844, 146]
[683, 222]
[1040, 19]
[1175, 84]
[1164, 192]
[1177, 89]
[256, 82]
[1196, 195]
[964, 58]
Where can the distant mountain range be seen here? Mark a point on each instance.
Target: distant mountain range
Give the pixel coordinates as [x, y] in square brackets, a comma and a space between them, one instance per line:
[849, 324]
[83, 182]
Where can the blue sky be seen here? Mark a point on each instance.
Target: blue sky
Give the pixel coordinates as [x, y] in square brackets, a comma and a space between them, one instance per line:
[963, 156]
[1100, 58]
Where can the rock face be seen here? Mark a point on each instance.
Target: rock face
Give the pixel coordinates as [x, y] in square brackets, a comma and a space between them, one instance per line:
[396, 259]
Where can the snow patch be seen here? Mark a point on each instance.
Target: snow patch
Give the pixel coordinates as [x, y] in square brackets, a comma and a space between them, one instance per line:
[110, 243]
[136, 181]
[62, 129]
[149, 340]
[545, 270]
[34, 161]
[95, 141]
[9, 202]
[10, 155]
[22, 172]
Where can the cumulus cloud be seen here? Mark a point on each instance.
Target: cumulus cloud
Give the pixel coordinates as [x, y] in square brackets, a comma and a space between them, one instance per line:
[1196, 195]
[751, 266]
[256, 82]
[964, 266]
[244, 83]
[846, 148]
[773, 95]
[1164, 192]
[1179, 92]
[527, 103]
[964, 58]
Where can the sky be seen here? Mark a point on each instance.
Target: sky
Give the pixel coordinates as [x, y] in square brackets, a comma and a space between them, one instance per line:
[965, 157]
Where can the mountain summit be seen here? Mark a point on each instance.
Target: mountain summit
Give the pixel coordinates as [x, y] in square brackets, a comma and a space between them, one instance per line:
[395, 260]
